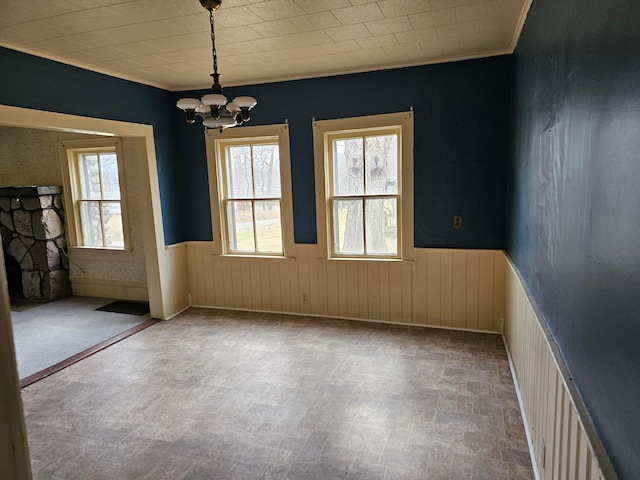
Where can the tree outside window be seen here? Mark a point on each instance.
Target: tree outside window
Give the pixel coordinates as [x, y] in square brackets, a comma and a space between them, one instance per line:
[364, 193]
[99, 199]
[252, 197]
[93, 185]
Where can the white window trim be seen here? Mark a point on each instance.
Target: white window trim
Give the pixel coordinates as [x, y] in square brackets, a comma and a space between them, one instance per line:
[215, 157]
[68, 150]
[321, 129]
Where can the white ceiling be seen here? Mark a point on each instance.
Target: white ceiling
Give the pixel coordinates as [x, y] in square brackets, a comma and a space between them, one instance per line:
[167, 43]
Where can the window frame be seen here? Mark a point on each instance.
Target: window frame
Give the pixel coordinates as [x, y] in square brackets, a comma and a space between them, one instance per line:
[333, 197]
[70, 150]
[323, 132]
[216, 142]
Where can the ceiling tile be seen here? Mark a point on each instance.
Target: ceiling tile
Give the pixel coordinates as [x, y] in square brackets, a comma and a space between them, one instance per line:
[434, 18]
[15, 38]
[450, 46]
[19, 11]
[37, 30]
[340, 47]
[275, 28]
[60, 45]
[431, 50]
[481, 11]
[371, 58]
[315, 21]
[376, 42]
[362, 2]
[411, 52]
[233, 35]
[235, 17]
[170, 44]
[93, 39]
[314, 6]
[363, 13]
[391, 25]
[121, 64]
[126, 34]
[291, 41]
[157, 69]
[439, 4]
[400, 8]
[415, 36]
[276, 9]
[147, 60]
[105, 53]
[513, 8]
[350, 32]
[241, 48]
[138, 48]
[292, 53]
[178, 56]
[82, 58]
[232, 61]
[459, 30]
[84, 4]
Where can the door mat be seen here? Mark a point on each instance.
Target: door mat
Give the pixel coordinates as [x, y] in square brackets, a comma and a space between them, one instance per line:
[130, 308]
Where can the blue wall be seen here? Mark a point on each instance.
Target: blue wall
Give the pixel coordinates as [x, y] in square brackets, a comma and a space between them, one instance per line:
[32, 82]
[461, 144]
[574, 200]
[461, 131]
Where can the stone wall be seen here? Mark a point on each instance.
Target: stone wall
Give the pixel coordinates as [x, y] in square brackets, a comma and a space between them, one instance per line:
[32, 225]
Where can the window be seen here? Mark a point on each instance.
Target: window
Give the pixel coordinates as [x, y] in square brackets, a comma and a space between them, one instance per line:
[93, 188]
[364, 174]
[248, 174]
[363, 192]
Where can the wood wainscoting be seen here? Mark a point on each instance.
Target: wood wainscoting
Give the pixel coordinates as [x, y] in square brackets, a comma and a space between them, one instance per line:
[562, 439]
[462, 289]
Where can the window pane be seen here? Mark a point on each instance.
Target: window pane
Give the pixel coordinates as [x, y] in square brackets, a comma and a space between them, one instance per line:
[381, 154]
[240, 226]
[266, 165]
[348, 167]
[89, 176]
[112, 218]
[268, 226]
[381, 226]
[347, 224]
[91, 224]
[239, 172]
[110, 183]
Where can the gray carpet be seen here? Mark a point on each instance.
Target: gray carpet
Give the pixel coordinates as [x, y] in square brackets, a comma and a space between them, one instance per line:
[49, 333]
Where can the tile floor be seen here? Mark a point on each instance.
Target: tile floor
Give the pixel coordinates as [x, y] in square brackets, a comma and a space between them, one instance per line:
[219, 395]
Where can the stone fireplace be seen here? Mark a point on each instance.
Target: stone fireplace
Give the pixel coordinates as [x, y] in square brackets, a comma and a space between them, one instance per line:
[33, 240]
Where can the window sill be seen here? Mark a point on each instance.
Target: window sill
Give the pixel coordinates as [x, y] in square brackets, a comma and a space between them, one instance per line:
[366, 259]
[255, 257]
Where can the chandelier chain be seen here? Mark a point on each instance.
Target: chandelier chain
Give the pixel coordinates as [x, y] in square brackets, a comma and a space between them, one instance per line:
[213, 43]
[213, 107]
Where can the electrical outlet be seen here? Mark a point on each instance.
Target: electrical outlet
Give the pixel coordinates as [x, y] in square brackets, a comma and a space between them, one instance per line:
[457, 221]
[305, 298]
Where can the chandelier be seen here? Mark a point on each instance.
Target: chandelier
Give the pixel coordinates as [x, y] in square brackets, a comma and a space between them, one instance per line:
[213, 107]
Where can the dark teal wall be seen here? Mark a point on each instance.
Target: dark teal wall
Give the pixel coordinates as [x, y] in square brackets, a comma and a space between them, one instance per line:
[461, 124]
[33, 82]
[461, 143]
[574, 200]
